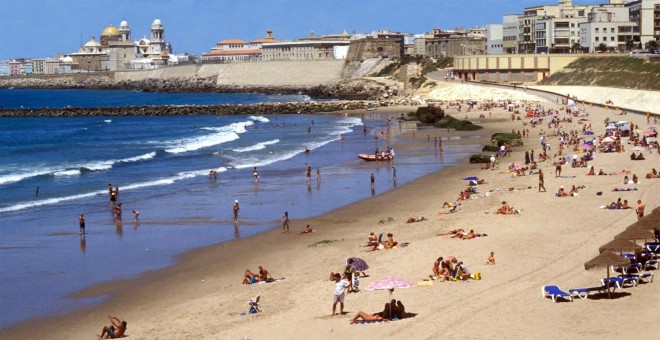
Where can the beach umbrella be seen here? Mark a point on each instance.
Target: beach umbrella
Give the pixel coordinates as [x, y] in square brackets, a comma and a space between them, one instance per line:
[649, 133]
[517, 166]
[359, 264]
[607, 140]
[586, 146]
[471, 178]
[636, 234]
[390, 283]
[622, 122]
[611, 127]
[619, 245]
[606, 259]
[651, 127]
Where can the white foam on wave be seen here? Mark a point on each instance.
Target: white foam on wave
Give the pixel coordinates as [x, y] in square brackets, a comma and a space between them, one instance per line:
[258, 146]
[73, 169]
[223, 134]
[158, 182]
[260, 119]
[71, 172]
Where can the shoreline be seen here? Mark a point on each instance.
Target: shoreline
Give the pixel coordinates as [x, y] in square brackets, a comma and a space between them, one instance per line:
[201, 297]
[183, 263]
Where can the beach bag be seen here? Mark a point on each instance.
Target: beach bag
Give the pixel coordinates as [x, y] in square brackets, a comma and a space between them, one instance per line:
[476, 276]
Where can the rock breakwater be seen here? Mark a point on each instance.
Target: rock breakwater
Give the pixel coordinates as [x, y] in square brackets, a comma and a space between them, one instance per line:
[181, 110]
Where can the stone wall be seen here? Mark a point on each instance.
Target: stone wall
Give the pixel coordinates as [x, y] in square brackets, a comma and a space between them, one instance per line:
[371, 47]
[267, 73]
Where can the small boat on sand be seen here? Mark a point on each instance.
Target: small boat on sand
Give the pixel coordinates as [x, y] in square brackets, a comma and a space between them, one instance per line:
[373, 158]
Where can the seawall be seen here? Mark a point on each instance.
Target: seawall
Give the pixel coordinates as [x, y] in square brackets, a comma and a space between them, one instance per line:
[267, 73]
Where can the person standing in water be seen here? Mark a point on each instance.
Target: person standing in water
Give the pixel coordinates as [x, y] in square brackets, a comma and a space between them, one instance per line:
[81, 222]
[255, 173]
[236, 209]
[373, 181]
[285, 222]
[393, 173]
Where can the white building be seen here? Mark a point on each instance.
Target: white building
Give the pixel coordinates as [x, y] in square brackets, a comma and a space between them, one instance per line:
[494, 39]
[646, 13]
[610, 26]
[510, 33]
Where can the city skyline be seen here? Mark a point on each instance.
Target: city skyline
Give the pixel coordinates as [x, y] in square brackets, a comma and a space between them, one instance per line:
[194, 26]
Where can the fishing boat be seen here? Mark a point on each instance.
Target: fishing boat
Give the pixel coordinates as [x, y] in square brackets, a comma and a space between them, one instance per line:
[373, 158]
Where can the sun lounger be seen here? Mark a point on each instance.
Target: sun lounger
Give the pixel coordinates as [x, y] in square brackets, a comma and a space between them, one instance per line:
[651, 264]
[583, 293]
[254, 305]
[648, 277]
[555, 293]
[619, 282]
[653, 247]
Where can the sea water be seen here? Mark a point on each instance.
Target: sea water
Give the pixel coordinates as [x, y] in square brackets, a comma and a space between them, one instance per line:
[161, 165]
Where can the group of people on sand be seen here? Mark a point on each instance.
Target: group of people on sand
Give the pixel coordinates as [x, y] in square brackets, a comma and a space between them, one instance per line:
[376, 244]
[634, 157]
[451, 268]
[350, 275]
[653, 174]
[262, 276]
[460, 233]
[573, 192]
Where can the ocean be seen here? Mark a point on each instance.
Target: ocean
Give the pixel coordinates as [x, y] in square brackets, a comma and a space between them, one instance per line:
[161, 166]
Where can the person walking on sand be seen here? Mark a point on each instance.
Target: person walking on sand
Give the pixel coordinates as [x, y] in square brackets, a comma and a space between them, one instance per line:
[115, 330]
[340, 293]
[640, 209]
[541, 181]
[81, 222]
[285, 222]
[236, 209]
[373, 181]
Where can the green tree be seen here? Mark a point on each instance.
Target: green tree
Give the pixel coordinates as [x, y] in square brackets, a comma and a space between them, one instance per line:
[630, 44]
[509, 50]
[652, 46]
[576, 47]
[602, 47]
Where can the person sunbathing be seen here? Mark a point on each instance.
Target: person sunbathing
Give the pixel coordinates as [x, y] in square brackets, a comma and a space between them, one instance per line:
[436, 268]
[115, 330]
[416, 219]
[652, 174]
[626, 180]
[573, 192]
[601, 172]
[249, 277]
[452, 232]
[505, 209]
[561, 192]
[633, 156]
[491, 258]
[635, 179]
[366, 317]
[624, 189]
[591, 172]
[472, 235]
[625, 205]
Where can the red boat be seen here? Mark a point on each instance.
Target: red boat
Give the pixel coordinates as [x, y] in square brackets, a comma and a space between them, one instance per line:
[373, 158]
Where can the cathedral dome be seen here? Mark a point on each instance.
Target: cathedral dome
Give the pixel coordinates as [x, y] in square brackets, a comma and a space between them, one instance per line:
[110, 31]
[124, 23]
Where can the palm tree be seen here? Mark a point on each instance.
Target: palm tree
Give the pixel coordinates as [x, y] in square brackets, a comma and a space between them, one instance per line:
[576, 47]
[629, 44]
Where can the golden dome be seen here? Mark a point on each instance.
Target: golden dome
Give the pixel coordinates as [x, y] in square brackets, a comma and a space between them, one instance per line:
[110, 31]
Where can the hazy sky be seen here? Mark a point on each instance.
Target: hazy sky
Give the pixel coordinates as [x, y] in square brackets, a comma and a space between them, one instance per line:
[41, 28]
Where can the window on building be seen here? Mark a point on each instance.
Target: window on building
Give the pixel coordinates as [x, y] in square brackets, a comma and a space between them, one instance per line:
[597, 30]
[596, 38]
[612, 30]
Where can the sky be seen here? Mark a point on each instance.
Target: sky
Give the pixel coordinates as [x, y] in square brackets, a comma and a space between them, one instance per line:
[42, 28]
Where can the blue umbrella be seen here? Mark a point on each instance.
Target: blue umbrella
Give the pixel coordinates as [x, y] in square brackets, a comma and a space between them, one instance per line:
[471, 178]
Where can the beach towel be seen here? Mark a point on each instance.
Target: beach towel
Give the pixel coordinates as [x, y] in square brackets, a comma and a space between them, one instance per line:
[364, 322]
[425, 283]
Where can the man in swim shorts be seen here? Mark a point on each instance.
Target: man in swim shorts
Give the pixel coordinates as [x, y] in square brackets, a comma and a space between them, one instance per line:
[115, 330]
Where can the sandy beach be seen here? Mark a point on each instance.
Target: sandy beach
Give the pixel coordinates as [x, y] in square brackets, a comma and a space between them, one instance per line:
[202, 296]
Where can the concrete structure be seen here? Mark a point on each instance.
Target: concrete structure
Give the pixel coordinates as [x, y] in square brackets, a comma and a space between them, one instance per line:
[383, 44]
[14, 68]
[608, 24]
[273, 73]
[450, 44]
[38, 66]
[646, 13]
[233, 50]
[51, 66]
[521, 68]
[312, 47]
[494, 39]
[4, 68]
[510, 33]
